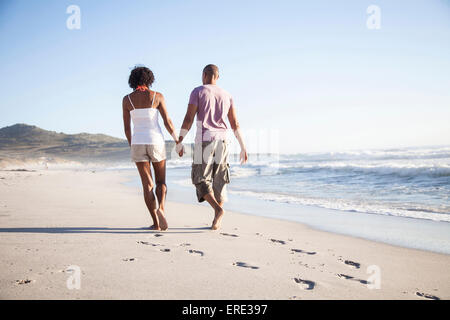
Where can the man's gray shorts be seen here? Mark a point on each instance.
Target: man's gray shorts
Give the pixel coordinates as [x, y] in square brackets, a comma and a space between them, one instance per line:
[210, 169]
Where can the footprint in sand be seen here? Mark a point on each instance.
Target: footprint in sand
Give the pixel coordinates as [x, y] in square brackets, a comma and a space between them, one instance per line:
[229, 234]
[350, 263]
[427, 296]
[278, 241]
[197, 252]
[302, 251]
[347, 277]
[157, 235]
[244, 265]
[129, 259]
[305, 284]
[185, 244]
[24, 281]
[148, 243]
[306, 265]
[164, 250]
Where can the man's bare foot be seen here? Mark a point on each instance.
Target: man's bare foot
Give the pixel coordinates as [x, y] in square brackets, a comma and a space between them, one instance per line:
[153, 227]
[162, 219]
[217, 219]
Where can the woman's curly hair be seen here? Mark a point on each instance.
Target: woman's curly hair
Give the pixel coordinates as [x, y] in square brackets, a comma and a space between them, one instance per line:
[141, 76]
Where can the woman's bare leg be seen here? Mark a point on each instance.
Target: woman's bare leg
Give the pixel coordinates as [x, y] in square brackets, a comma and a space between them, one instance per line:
[147, 186]
[161, 190]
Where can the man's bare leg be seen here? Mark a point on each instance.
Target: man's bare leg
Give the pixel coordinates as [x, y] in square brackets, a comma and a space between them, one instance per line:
[161, 191]
[218, 211]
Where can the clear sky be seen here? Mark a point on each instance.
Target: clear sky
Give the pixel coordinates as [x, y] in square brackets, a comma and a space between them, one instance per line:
[310, 71]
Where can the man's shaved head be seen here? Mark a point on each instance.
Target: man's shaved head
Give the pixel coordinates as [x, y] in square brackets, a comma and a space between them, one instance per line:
[211, 70]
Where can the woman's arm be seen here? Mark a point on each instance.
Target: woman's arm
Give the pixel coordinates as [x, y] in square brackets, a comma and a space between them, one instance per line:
[126, 120]
[161, 105]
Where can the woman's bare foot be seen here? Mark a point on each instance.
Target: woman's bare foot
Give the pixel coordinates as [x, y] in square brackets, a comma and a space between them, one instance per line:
[217, 219]
[153, 227]
[162, 219]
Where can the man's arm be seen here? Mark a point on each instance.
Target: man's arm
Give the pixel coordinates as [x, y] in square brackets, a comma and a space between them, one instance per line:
[126, 120]
[188, 120]
[237, 132]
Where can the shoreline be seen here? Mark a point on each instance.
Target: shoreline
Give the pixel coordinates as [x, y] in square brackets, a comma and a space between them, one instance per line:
[420, 234]
[90, 219]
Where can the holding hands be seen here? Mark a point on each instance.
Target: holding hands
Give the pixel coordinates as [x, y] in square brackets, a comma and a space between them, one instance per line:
[179, 148]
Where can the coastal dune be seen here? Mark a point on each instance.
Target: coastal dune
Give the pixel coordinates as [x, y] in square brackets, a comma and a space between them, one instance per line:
[59, 223]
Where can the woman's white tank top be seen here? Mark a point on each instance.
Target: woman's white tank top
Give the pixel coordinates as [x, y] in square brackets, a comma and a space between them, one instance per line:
[146, 129]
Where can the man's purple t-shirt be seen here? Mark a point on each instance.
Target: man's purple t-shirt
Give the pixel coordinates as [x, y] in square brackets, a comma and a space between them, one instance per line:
[213, 104]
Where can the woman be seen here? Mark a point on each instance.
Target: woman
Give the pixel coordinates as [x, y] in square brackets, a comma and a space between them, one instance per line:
[147, 142]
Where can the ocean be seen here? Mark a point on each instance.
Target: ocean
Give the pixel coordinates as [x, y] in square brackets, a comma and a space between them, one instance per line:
[397, 196]
[412, 182]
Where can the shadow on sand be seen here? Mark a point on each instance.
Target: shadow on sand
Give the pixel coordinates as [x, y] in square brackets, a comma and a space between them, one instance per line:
[100, 230]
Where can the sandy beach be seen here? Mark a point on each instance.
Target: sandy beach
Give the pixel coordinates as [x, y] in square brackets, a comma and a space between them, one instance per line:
[53, 219]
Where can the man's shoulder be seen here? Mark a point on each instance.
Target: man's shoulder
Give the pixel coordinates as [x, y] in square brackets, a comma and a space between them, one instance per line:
[199, 88]
[225, 92]
[216, 90]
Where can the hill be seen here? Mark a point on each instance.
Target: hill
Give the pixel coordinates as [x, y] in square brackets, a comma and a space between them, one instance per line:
[26, 142]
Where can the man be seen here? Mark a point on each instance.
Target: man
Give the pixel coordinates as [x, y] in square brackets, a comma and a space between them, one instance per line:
[210, 168]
